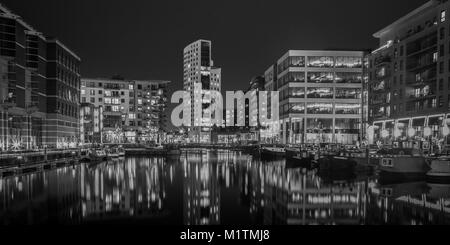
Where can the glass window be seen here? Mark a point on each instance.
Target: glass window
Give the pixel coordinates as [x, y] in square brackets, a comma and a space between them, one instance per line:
[320, 77]
[348, 93]
[295, 108]
[320, 61]
[442, 15]
[297, 92]
[381, 72]
[319, 125]
[347, 108]
[348, 77]
[298, 77]
[320, 108]
[324, 93]
[348, 62]
[347, 126]
[297, 61]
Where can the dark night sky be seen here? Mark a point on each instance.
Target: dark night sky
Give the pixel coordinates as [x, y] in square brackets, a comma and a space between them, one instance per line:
[145, 39]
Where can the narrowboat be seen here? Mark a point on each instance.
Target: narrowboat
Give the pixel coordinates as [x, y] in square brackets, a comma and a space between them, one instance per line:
[336, 163]
[272, 152]
[440, 170]
[402, 164]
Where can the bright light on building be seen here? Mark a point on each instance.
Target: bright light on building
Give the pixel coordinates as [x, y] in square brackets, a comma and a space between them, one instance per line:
[427, 131]
[384, 133]
[445, 131]
[411, 132]
[397, 133]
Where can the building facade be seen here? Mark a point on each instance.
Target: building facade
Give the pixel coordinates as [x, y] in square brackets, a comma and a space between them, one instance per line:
[409, 79]
[271, 132]
[43, 78]
[320, 96]
[132, 110]
[91, 124]
[198, 68]
[256, 85]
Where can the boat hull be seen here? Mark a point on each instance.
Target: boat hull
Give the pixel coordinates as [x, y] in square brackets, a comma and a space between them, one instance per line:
[440, 171]
[291, 152]
[296, 162]
[336, 164]
[272, 154]
[403, 165]
[385, 177]
[113, 155]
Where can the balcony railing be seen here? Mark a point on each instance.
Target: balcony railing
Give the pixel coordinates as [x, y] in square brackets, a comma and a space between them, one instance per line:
[421, 96]
[382, 60]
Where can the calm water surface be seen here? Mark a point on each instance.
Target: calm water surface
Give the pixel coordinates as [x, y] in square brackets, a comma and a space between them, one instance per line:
[216, 187]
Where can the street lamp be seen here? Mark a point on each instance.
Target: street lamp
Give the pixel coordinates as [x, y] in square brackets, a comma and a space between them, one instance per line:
[445, 131]
[384, 133]
[397, 132]
[427, 131]
[411, 132]
[427, 134]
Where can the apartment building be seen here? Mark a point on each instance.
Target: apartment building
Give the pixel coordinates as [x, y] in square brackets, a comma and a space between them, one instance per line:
[132, 110]
[409, 78]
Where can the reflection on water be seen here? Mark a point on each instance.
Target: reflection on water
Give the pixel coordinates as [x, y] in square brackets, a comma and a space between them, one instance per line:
[214, 187]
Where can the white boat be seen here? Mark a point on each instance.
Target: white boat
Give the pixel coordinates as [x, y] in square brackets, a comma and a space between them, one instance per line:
[440, 170]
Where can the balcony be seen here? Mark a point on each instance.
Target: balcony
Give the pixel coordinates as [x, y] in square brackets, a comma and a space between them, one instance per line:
[415, 66]
[378, 101]
[422, 45]
[421, 96]
[382, 60]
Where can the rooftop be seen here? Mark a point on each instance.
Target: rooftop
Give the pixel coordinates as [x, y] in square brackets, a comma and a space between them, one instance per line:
[404, 20]
[5, 12]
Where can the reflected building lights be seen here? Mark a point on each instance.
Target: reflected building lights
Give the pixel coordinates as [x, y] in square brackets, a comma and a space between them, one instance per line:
[269, 192]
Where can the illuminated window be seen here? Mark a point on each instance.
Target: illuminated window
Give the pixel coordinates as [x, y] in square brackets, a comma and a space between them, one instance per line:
[442, 15]
[115, 101]
[115, 108]
[83, 92]
[132, 116]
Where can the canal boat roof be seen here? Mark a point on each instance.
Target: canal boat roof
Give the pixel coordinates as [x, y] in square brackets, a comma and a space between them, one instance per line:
[400, 151]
